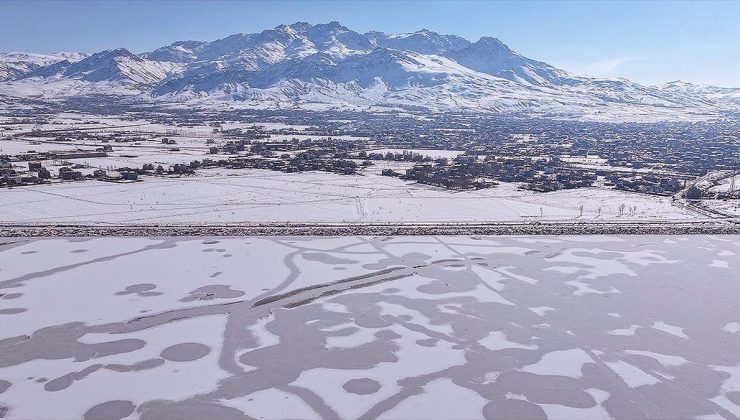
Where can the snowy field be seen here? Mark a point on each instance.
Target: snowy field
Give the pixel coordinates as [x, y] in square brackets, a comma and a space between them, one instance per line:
[424, 327]
[224, 196]
[730, 207]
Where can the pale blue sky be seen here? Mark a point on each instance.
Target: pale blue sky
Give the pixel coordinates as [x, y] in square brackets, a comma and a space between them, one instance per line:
[649, 42]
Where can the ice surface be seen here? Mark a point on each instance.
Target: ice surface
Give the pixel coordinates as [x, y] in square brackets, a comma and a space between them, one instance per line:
[350, 327]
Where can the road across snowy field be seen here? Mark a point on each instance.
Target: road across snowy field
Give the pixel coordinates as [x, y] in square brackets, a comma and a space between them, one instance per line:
[371, 327]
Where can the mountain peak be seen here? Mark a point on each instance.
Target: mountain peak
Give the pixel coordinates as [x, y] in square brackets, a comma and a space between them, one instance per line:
[303, 27]
[300, 25]
[492, 42]
[288, 29]
[117, 52]
[423, 41]
[679, 83]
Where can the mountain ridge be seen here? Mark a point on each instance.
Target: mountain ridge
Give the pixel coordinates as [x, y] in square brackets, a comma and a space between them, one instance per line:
[329, 66]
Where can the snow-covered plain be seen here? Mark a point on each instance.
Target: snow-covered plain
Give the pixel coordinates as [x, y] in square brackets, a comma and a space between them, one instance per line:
[730, 207]
[237, 196]
[259, 196]
[370, 327]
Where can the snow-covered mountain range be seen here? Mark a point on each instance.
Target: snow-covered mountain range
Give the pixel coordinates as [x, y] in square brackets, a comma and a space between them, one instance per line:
[328, 66]
[17, 65]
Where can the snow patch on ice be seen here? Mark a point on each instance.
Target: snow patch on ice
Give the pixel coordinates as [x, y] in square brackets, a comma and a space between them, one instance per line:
[561, 363]
[497, 340]
[670, 329]
[732, 327]
[625, 331]
[663, 359]
[631, 375]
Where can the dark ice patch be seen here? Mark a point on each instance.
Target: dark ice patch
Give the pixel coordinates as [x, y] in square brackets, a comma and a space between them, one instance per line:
[212, 291]
[327, 258]
[387, 335]
[371, 321]
[185, 352]
[427, 342]
[141, 290]
[65, 381]
[12, 311]
[513, 409]
[143, 365]
[111, 410]
[361, 386]
[189, 409]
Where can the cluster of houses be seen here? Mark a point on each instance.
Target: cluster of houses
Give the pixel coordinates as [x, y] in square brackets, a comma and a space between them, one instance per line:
[9, 177]
[303, 162]
[291, 155]
[299, 163]
[38, 174]
[471, 172]
[403, 156]
[455, 177]
[690, 149]
[645, 183]
[536, 174]
[56, 155]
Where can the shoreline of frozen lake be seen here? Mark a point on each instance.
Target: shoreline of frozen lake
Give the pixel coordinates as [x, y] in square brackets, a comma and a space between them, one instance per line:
[692, 227]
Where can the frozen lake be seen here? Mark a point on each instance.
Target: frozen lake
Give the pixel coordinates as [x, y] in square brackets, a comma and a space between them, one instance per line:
[365, 327]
